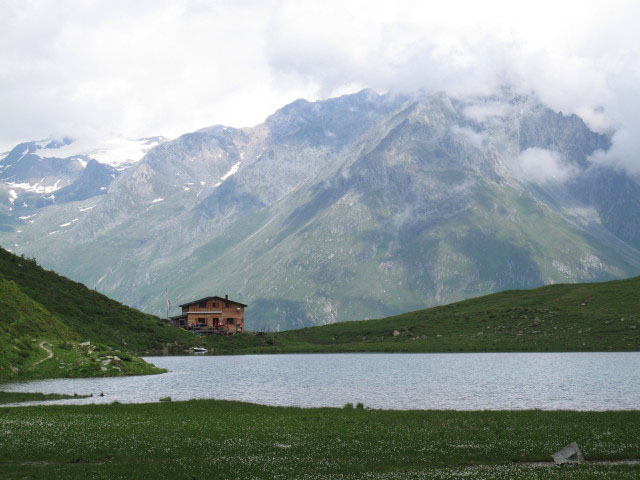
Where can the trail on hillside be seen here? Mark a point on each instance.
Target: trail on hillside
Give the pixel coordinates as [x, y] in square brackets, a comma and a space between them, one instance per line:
[46, 349]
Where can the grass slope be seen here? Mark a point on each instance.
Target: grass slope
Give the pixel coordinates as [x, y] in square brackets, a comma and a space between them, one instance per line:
[21, 321]
[579, 317]
[40, 310]
[88, 313]
[209, 439]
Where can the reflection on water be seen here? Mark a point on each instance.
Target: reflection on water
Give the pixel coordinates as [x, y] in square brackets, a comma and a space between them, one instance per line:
[467, 381]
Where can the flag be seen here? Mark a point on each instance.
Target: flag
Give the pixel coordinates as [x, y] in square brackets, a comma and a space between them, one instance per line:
[168, 301]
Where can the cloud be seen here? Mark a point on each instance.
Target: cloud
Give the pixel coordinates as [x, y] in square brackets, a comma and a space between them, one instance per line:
[542, 166]
[132, 68]
[578, 57]
[624, 152]
[470, 135]
[484, 111]
[115, 67]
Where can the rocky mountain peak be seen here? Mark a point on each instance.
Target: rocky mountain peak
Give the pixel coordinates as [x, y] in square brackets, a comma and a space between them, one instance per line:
[358, 206]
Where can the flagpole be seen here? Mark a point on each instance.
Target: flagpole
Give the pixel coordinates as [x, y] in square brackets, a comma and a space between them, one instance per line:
[166, 294]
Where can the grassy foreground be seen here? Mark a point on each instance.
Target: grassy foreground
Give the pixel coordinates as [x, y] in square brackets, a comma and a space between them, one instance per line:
[209, 439]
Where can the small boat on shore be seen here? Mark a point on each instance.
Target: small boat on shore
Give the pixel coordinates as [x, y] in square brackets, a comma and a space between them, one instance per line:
[199, 350]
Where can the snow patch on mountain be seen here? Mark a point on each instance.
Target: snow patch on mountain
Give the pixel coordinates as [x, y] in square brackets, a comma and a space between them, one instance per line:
[114, 152]
[36, 188]
[231, 171]
[69, 223]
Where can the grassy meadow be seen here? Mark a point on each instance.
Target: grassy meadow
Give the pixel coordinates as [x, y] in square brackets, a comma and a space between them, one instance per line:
[556, 318]
[209, 439]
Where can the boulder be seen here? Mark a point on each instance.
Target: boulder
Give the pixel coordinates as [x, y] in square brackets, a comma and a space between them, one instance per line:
[569, 454]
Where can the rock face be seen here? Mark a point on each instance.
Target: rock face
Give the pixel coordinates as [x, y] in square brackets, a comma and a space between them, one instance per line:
[354, 207]
[569, 454]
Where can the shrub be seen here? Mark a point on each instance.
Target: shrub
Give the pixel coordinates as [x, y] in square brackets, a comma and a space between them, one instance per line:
[348, 406]
[165, 399]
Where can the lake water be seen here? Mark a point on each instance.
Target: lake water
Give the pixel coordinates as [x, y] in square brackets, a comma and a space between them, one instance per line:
[467, 381]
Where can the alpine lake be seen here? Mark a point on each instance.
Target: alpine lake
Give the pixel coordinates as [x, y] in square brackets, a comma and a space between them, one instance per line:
[463, 381]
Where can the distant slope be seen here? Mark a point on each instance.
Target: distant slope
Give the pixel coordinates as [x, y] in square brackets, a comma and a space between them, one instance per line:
[37, 306]
[581, 317]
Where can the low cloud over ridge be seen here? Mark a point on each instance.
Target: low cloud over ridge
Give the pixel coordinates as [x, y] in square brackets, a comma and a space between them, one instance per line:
[134, 69]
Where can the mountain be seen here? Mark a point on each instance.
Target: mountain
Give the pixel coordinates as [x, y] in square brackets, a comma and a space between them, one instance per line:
[354, 207]
[40, 173]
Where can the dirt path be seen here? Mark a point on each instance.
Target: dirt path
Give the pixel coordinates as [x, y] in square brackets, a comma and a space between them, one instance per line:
[46, 349]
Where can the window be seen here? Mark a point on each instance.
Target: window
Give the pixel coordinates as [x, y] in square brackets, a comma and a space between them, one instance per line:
[229, 321]
[202, 304]
[214, 304]
[185, 309]
[202, 321]
[181, 322]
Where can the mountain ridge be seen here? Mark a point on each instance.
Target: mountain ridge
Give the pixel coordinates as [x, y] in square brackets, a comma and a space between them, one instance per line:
[354, 207]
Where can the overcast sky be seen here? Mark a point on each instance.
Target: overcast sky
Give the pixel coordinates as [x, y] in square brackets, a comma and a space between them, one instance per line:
[137, 68]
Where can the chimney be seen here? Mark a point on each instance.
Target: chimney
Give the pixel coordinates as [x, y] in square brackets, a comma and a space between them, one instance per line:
[226, 297]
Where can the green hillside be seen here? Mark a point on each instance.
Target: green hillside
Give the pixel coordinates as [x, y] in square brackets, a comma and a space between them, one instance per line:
[580, 317]
[42, 311]
[88, 333]
[22, 321]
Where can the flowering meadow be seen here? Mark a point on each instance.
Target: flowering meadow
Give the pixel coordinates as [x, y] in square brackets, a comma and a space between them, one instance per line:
[209, 439]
